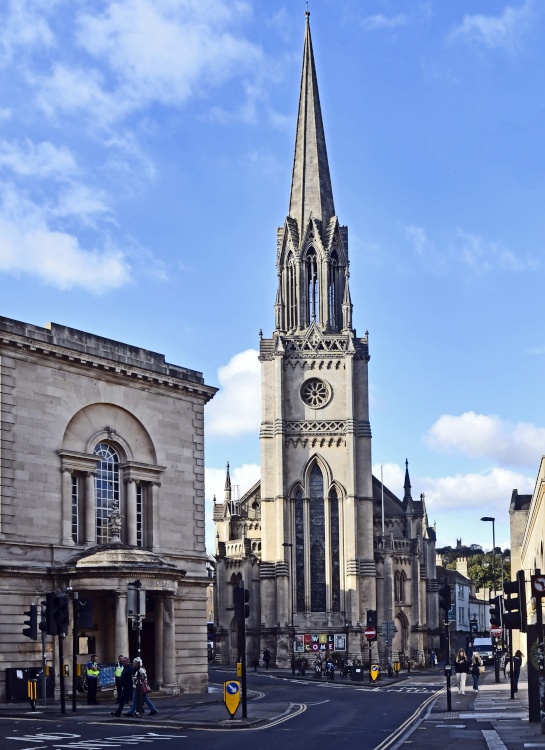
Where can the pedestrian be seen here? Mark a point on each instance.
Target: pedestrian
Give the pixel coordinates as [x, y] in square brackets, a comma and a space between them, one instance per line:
[126, 686]
[256, 663]
[433, 659]
[476, 664]
[318, 668]
[266, 657]
[141, 687]
[93, 674]
[117, 674]
[517, 664]
[461, 667]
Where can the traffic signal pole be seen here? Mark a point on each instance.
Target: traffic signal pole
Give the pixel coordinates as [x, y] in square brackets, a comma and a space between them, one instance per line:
[75, 628]
[61, 672]
[244, 699]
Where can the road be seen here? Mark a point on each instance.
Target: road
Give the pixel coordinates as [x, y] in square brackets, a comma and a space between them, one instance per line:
[360, 716]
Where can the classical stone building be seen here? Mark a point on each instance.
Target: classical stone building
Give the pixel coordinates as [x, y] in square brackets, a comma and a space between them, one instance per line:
[319, 542]
[527, 532]
[102, 484]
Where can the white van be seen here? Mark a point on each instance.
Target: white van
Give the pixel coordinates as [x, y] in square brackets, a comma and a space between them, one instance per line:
[483, 647]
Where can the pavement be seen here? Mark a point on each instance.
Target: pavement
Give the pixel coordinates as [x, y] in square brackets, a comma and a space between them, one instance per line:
[488, 720]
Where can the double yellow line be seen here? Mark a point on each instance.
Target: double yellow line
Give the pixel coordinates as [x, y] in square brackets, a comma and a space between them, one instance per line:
[389, 741]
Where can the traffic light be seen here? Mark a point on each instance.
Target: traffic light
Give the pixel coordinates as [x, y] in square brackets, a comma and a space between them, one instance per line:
[445, 598]
[57, 615]
[372, 619]
[241, 597]
[31, 631]
[515, 603]
[496, 611]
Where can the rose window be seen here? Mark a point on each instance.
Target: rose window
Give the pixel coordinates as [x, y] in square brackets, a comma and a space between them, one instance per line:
[315, 393]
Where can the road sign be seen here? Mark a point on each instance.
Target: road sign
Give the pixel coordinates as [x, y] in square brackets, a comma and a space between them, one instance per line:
[231, 696]
[538, 585]
[375, 671]
[495, 632]
[370, 633]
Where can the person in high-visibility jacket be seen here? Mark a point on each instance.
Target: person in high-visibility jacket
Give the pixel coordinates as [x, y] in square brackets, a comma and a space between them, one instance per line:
[117, 674]
[93, 674]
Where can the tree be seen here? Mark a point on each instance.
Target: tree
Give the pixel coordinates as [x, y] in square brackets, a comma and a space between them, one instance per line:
[480, 568]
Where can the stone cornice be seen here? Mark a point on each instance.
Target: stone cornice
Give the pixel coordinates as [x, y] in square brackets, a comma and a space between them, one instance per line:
[109, 368]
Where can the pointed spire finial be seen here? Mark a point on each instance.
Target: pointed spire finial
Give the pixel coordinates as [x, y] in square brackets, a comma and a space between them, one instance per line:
[407, 496]
[311, 191]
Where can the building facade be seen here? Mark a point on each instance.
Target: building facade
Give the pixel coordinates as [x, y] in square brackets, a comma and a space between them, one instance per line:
[319, 542]
[102, 485]
[527, 531]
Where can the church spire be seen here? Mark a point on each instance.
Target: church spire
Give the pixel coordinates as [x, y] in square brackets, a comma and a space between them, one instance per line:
[407, 486]
[310, 183]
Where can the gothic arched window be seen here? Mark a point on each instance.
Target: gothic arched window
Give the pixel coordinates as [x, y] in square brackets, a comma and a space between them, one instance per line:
[317, 542]
[402, 581]
[312, 280]
[332, 289]
[106, 488]
[299, 552]
[292, 292]
[335, 562]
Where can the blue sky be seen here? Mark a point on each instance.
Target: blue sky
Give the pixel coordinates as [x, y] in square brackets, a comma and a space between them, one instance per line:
[145, 163]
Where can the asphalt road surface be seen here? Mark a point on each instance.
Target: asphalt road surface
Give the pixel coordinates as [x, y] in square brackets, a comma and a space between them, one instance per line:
[357, 715]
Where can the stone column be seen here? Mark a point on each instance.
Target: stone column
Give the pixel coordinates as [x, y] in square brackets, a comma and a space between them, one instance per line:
[90, 514]
[169, 642]
[131, 512]
[66, 505]
[159, 641]
[121, 624]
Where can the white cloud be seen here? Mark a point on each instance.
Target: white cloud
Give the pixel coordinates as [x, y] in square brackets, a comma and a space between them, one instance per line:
[495, 32]
[380, 21]
[40, 160]
[23, 25]
[77, 199]
[236, 409]
[473, 251]
[458, 501]
[488, 436]
[152, 52]
[482, 256]
[242, 478]
[30, 245]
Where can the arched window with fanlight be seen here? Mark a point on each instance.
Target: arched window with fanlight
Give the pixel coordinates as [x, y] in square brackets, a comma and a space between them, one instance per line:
[313, 287]
[107, 488]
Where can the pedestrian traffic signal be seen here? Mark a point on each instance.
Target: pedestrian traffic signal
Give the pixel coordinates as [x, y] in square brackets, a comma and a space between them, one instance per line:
[241, 597]
[57, 616]
[496, 611]
[31, 631]
[515, 603]
[445, 598]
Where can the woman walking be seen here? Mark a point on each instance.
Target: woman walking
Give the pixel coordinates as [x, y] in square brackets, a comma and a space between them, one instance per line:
[461, 667]
[476, 664]
[140, 680]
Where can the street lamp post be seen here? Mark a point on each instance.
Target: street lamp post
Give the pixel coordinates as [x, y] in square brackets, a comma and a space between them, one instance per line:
[493, 520]
[291, 582]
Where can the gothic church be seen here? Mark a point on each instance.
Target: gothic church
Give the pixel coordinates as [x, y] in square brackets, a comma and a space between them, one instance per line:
[319, 542]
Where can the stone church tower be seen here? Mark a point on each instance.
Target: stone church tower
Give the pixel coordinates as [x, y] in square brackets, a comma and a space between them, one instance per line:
[325, 560]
